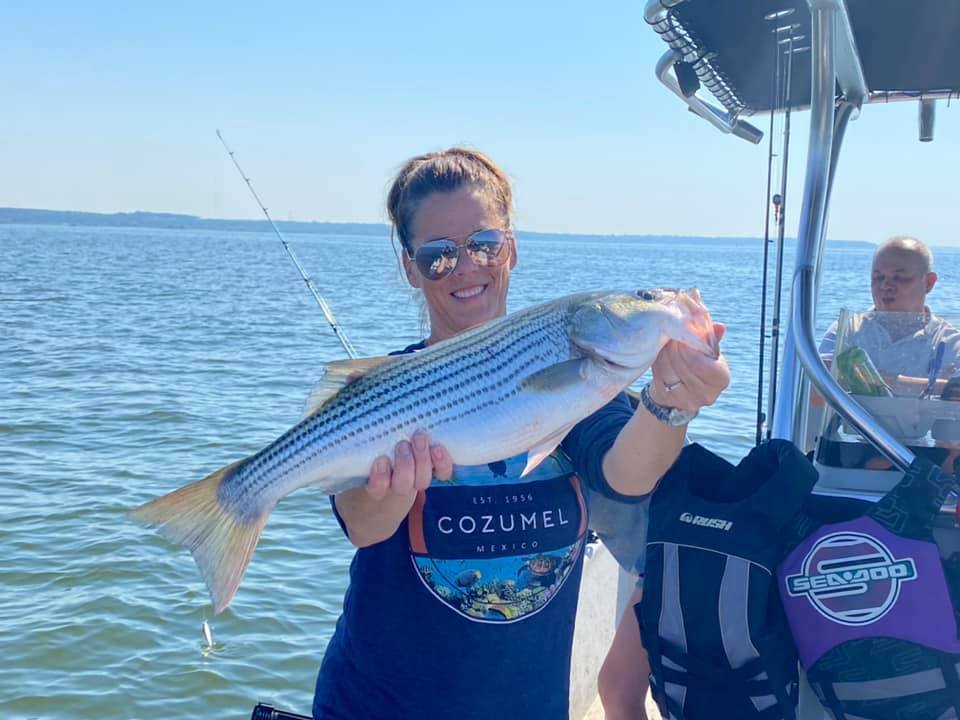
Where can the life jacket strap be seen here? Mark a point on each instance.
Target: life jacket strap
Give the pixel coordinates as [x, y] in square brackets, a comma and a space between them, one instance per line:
[951, 570]
[910, 508]
[681, 668]
[766, 706]
[765, 684]
[952, 679]
[836, 695]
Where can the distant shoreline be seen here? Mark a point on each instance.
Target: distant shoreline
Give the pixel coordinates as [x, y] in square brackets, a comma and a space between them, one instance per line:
[173, 221]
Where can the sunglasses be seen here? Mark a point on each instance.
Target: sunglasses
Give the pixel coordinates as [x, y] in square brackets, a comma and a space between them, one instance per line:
[438, 258]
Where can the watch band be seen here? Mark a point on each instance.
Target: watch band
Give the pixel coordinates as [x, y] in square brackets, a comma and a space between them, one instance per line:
[674, 417]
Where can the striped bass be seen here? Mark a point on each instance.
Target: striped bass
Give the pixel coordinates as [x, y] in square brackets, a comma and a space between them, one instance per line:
[516, 384]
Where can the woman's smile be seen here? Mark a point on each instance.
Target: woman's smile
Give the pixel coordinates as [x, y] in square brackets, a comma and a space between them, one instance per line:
[468, 293]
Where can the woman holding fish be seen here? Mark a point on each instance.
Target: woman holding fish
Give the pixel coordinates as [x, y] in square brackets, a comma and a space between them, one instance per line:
[464, 585]
[443, 617]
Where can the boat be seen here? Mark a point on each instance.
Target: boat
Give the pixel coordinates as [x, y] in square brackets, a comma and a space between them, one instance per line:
[729, 60]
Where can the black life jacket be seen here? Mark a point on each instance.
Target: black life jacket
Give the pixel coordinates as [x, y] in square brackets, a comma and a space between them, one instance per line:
[711, 622]
[873, 607]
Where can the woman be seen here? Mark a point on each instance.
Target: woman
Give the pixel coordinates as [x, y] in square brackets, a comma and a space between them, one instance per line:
[463, 588]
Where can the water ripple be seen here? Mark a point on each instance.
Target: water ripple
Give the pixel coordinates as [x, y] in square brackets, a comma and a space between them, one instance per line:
[170, 354]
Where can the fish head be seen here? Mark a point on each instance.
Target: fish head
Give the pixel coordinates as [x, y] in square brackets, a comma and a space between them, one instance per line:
[628, 329]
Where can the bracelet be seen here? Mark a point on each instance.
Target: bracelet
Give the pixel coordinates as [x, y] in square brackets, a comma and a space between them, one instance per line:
[674, 417]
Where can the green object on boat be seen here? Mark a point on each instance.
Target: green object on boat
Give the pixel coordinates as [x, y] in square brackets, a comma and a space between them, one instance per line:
[859, 375]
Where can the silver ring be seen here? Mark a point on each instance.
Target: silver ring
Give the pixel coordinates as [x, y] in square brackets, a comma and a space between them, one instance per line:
[670, 387]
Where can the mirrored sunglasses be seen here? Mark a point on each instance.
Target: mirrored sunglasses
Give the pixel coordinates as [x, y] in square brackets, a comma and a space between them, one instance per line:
[438, 258]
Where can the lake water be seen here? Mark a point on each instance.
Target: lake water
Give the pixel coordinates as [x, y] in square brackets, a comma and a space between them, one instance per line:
[133, 361]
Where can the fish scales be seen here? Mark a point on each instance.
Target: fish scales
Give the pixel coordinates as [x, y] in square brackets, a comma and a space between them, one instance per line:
[494, 391]
[459, 379]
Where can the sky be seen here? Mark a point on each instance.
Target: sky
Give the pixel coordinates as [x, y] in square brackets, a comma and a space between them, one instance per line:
[110, 107]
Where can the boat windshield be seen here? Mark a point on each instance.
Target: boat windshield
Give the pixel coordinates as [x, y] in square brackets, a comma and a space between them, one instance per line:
[903, 368]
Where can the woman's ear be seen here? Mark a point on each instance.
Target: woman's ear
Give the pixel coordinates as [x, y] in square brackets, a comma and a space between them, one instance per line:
[413, 275]
[513, 251]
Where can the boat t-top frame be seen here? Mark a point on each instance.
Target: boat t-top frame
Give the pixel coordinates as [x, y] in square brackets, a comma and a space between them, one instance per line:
[860, 52]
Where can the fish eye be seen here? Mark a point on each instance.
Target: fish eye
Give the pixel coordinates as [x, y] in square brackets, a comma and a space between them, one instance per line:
[646, 295]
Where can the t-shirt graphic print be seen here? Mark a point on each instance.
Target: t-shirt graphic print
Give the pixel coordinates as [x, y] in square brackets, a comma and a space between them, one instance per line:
[496, 548]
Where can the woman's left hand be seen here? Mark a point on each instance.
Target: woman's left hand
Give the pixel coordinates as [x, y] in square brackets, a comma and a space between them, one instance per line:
[686, 378]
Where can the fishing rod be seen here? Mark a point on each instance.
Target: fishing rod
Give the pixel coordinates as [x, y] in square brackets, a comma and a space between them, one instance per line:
[347, 345]
[771, 202]
[761, 418]
[327, 312]
[781, 224]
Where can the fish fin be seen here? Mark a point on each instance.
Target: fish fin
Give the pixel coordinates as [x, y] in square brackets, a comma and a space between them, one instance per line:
[556, 377]
[337, 375]
[708, 345]
[541, 452]
[221, 543]
[698, 330]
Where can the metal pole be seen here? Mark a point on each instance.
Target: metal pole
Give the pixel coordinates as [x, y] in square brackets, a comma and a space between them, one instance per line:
[823, 82]
[800, 347]
[327, 312]
[842, 117]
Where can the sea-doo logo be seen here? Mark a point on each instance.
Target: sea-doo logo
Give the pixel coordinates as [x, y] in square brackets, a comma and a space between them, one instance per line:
[851, 578]
[702, 521]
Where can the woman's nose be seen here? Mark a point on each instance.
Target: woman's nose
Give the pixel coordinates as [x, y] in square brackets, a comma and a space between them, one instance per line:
[465, 262]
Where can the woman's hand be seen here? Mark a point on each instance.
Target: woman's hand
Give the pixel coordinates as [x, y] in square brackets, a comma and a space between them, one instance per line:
[373, 513]
[414, 465]
[646, 447]
[686, 378]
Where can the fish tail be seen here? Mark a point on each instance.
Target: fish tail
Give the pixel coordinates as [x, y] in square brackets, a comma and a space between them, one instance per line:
[221, 542]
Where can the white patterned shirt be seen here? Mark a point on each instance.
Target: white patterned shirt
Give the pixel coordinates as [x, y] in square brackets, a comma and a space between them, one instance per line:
[912, 354]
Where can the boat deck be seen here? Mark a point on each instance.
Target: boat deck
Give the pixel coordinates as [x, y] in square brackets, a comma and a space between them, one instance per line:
[596, 710]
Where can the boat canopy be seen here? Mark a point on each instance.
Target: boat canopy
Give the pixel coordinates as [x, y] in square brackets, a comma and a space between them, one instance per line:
[747, 54]
[906, 50]
[840, 55]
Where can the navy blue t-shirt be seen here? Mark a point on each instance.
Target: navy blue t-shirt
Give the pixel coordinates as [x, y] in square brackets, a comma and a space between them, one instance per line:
[467, 611]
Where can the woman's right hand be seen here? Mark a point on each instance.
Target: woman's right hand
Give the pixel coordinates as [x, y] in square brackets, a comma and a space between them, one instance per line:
[373, 513]
[414, 465]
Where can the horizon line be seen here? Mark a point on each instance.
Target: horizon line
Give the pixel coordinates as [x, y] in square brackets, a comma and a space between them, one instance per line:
[292, 224]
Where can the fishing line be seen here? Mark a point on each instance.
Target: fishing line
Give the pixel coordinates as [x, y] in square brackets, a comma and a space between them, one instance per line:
[347, 345]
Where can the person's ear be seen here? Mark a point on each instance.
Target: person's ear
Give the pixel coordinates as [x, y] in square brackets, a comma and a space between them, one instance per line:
[931, 280]
[410, 270]
[513, 252]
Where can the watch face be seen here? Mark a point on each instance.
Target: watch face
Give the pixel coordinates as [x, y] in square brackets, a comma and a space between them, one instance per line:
[675, 417]
[679, 417]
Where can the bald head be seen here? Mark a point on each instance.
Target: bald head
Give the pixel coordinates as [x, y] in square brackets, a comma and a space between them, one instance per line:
[902, 275]
[908, 246]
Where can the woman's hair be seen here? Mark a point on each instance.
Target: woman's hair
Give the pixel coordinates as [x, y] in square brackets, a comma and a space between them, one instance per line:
[444, 171]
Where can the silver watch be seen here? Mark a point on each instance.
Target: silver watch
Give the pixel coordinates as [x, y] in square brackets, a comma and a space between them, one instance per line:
[674, 417]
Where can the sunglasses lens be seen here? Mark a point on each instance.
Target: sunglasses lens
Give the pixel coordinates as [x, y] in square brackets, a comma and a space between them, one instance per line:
[485, 246]
[436, 258]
